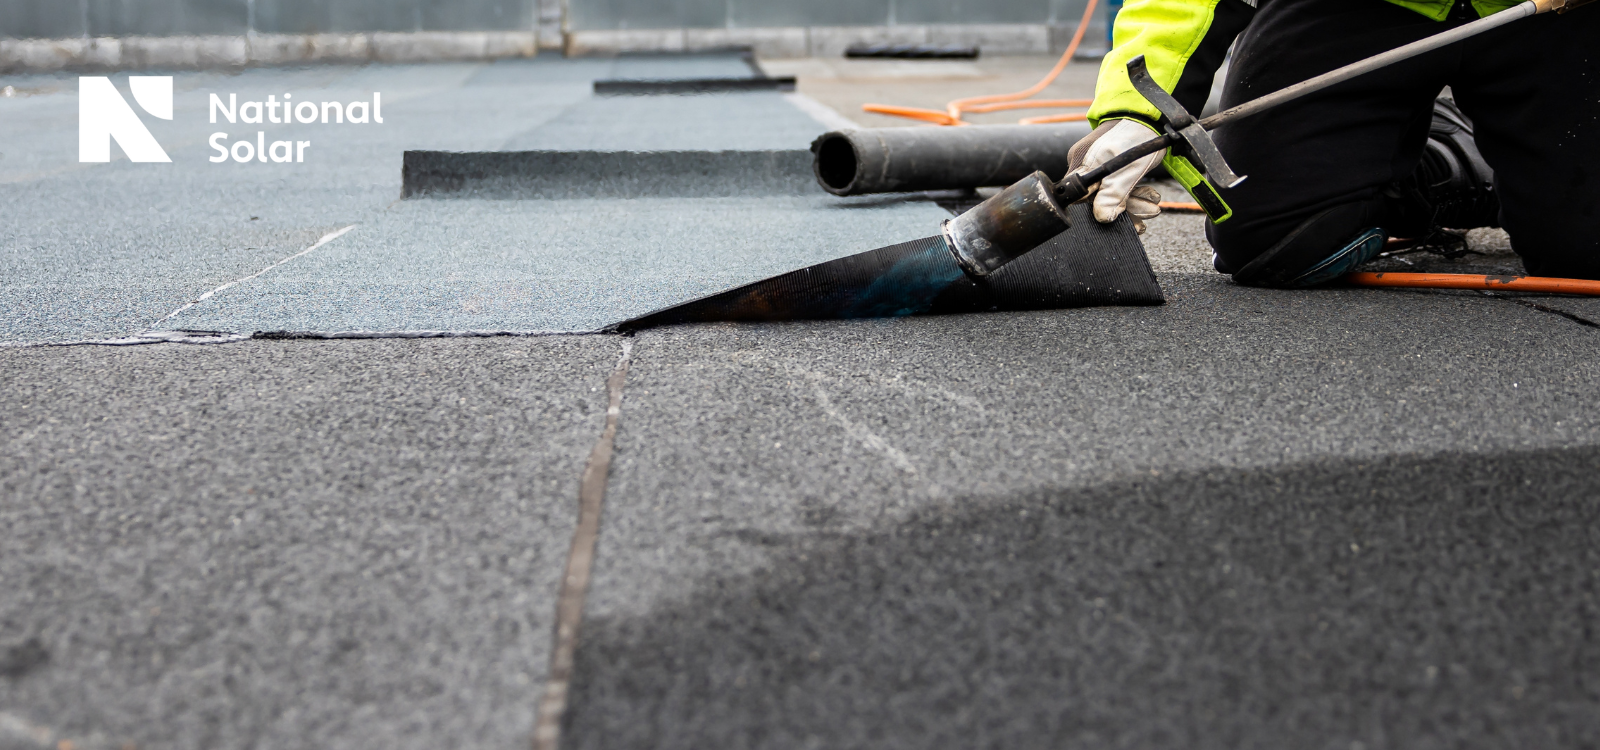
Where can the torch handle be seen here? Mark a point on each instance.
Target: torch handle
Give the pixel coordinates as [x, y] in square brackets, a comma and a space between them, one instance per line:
[1075, 186]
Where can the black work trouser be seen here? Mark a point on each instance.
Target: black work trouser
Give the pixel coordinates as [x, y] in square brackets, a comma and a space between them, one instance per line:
[1532, 89]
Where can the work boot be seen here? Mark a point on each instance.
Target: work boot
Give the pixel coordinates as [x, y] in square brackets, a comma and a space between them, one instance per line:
[1452, 188]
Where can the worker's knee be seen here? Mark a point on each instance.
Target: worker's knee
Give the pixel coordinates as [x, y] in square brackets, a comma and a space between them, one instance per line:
[1566, 266]
[1297, 253]
[1555, 243]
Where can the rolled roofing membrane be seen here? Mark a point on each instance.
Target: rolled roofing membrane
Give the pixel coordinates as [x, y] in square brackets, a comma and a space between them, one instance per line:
[1091, 264]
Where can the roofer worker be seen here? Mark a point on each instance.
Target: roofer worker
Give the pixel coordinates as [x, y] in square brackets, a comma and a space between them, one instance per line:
[1333, 175]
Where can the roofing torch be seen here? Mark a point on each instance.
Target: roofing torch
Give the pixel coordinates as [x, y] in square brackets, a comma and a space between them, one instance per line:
[1029, 213]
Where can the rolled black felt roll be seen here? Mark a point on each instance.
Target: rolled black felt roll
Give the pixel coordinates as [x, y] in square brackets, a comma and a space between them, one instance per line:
[898, 160]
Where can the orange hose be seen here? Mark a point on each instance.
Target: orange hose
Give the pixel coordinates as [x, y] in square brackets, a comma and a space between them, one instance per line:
[954, 110]
[1030, 104]
[1543, 284]
[1180, 206]
[1069, 117]
[958, 105]
[911, 113]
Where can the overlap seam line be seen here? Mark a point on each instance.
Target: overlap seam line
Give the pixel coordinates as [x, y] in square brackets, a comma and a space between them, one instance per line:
[580, 566]
[154, 335]
[1530, 304]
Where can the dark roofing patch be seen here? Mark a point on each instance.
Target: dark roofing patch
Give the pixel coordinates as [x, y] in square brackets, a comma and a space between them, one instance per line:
[649, 87]
[606, 174]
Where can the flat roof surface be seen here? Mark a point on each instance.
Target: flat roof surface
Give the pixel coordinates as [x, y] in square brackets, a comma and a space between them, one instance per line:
[111, 250]
[1246, 518]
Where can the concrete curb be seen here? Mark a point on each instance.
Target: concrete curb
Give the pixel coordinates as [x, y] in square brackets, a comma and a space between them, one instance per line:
[132, 53]
[824, 41]
[35, 55]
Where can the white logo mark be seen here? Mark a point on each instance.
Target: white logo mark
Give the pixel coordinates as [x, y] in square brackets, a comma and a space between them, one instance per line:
[103, 114]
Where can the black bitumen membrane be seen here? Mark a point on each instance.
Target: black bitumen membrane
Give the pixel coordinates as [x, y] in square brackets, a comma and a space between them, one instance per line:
[287, 544]
[1442, 600]
[1333, 518]
[657, 87]
[914, 51]
[552, 175]
[1088, 264]
[1246, 518]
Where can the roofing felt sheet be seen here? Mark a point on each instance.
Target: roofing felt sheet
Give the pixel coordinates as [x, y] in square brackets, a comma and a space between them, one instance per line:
[107, 250]
[550, 265]
[715, 195]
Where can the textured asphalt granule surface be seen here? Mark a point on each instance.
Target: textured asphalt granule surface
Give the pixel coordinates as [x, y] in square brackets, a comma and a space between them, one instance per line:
[1247, 518]
[97, 251]
[285, 544]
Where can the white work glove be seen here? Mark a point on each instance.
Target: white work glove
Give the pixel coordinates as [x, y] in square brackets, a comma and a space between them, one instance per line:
[1121, 191]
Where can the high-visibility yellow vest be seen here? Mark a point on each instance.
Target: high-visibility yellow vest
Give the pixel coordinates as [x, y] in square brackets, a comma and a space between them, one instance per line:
[1169, 33]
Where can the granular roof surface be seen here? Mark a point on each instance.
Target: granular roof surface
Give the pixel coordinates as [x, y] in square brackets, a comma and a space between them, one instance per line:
[1247, 518]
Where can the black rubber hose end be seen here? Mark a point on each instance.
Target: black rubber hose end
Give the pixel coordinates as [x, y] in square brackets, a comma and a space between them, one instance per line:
[836, 164]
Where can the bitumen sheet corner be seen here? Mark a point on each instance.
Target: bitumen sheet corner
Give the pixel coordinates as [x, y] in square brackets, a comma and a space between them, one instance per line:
[1246, 518]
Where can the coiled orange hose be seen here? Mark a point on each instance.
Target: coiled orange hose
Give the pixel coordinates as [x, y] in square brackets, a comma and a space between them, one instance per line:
[997, 102]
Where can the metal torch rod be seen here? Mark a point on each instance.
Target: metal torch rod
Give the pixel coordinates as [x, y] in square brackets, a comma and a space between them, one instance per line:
[1376, 62]
[1074, 187]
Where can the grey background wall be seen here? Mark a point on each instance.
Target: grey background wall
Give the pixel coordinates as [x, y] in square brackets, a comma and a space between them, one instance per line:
[659, 14]
[57, 19]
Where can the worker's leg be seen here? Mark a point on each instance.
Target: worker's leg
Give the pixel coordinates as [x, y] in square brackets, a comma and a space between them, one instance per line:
[1318, 167]
[1533, 90]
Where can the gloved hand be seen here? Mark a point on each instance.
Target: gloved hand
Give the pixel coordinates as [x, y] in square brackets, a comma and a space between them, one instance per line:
[1121, 191]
